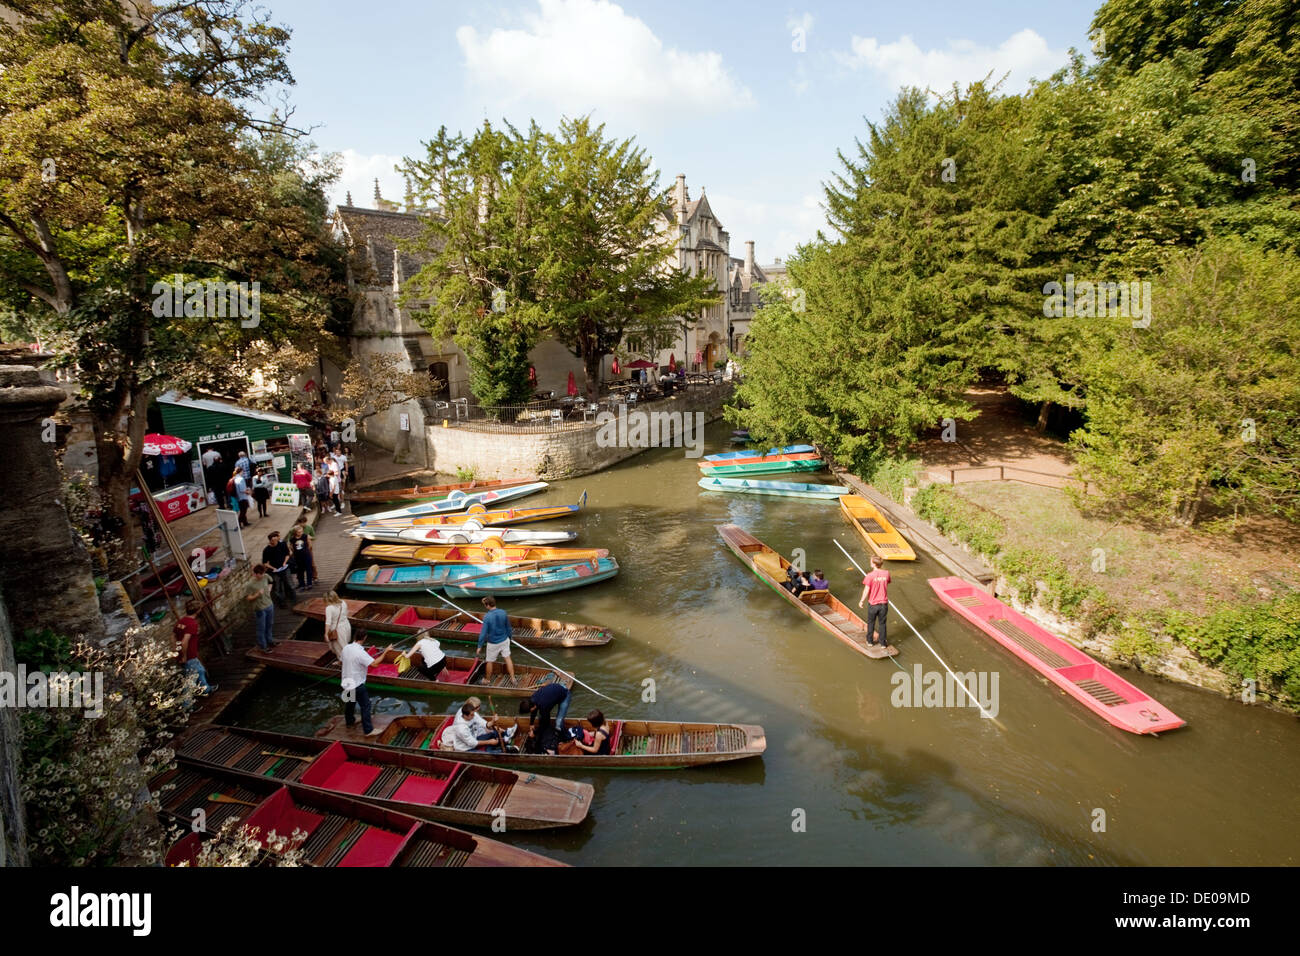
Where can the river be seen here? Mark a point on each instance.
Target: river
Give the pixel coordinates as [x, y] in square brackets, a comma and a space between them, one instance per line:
[848, 778]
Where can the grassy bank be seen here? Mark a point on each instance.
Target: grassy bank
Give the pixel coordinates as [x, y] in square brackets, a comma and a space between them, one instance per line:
[1230, 600]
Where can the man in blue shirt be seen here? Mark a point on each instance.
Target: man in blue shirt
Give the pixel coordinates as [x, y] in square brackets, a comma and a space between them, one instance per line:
[496, 636]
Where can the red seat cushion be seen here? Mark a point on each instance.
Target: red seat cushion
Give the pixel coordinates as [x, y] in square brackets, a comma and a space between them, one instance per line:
[424, 791]
[351, 777]
[473, 627]
[449, 676]
[384, 670]
[287, 821]
[375, 848]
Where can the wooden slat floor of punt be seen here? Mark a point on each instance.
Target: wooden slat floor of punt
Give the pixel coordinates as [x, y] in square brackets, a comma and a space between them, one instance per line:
[480, 796]
[1029, 643]
[970, 601]
[425, 852]
[886, 546]
[871, 526]
[1100, 691]
[191, 793]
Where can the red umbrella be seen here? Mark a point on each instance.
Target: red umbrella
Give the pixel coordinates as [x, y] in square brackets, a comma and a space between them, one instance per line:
[155, 444]
[641, 363]
[532, 375]
[615, 369]
[672, 360]
[573, 387]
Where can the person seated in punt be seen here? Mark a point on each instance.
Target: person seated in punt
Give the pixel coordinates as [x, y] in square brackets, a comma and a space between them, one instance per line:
[819, 582]
[541, 739]
[469, 731]
[432, 659]
[798, 581]
[599, 736]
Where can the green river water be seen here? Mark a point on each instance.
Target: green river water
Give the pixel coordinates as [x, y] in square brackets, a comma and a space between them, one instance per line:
[870, 782]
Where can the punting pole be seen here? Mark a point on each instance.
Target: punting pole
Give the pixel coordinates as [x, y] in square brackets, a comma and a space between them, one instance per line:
[521, 647]
[958, 681]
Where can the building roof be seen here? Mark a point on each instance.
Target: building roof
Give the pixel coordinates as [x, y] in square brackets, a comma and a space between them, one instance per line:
[225, 408]
[381, 231]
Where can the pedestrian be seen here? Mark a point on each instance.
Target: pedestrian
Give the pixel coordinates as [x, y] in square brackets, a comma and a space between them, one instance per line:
[301, 549]
[242, 499]
[356, 661]
[432, 658]
[336, 484]
[244, 465]
[546, 698]
[212, 476]
[495, 636]
[302, 480]
[310, 532]
[338, 629]
[262, 492]
[875, 591]
[259, 595]
[323, 489]
[186, 633]
[276, 556]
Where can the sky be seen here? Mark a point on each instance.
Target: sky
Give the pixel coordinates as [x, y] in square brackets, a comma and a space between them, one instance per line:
[751, 101]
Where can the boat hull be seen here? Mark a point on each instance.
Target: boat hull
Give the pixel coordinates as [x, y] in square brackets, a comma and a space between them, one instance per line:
[1093, 685]
[763, 468]
[781, 489]
[460, 501]
[463, 535]
[541, 580]
[874, 528]
[492, 551]
[428, 492]
[732, 456]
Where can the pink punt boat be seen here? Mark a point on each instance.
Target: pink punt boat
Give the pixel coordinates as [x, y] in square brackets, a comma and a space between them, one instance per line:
[1098, 688]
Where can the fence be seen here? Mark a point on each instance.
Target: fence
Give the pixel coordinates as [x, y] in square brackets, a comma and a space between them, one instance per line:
[1026, 476]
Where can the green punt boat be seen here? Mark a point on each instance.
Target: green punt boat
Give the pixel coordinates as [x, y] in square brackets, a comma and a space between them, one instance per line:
[785, 489]
[765, 468]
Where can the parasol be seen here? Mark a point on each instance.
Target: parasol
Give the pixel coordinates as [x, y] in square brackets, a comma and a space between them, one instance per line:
[573, 386]
[672, 361]
[614, 369]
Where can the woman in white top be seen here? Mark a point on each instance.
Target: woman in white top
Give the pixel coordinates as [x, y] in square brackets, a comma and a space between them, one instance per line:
[432, 659]
[338, 629]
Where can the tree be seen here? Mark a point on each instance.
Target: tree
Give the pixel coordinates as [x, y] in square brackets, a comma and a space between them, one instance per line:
[126, 162]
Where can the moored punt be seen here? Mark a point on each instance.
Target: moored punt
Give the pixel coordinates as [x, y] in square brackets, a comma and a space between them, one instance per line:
[828, 611]
[477, 514]
[405, 578]
[762, 468]
[393, 669]
[1098, 688]
[489, 552]
[731, 456]
[634, 744]
[783, 489]
[425, 492]
[448, 624]
[543, 579]
[881, 536]
[461, 500]
[429, 786]
[463, 534]
[339, 830]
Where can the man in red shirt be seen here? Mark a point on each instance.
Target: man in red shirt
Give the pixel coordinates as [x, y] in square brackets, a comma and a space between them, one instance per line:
[875, 591]
[186, 633]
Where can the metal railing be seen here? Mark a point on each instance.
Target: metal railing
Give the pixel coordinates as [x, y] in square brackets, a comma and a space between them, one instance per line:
[1026, 476]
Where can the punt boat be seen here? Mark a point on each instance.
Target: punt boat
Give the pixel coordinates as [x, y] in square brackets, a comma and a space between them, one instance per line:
[461, 500]
[762, 468]
[783, 489]
[467, 533]
[428, 786]
[392, 669]
[447, 624]
[427, 492]
[543, 579]
[731, 456]
[634, 744]
[479, 515]
[826, 610]
[491, 551]
[881, 536]
[1097, 687]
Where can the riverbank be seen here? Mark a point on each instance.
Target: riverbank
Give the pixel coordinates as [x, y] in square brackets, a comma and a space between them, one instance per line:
[1142, 598]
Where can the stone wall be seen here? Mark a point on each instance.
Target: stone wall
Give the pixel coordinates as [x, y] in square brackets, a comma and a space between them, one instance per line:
[13, 831]
[564, 453]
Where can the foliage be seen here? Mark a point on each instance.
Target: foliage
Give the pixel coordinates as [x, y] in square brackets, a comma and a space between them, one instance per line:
[236, 845]
[982, 531]
[82, 776]
[464, 474]
[378, 382]
[1258, 641]
[893, 475]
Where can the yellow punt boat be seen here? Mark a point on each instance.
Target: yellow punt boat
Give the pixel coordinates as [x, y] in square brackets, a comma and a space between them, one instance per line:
[491, 551]
[480, 516]
[880, 535]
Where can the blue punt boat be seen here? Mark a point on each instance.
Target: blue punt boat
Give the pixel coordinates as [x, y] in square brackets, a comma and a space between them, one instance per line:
[785, 489]
[460, 501]
[386, 579]
[528, 581]
[787, 450]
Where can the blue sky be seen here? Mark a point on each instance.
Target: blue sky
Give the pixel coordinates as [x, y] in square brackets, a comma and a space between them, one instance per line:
[720, 92]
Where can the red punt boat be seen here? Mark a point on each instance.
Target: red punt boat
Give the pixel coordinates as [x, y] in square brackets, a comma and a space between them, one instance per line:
[1098, 688]
[763, 459]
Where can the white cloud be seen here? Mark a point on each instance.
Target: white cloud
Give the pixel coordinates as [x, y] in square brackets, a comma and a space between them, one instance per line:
[776, 227]
[358, 176]
[902, 63]
[584, 55]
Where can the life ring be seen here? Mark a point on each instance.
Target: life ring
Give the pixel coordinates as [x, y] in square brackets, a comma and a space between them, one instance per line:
[476, 509]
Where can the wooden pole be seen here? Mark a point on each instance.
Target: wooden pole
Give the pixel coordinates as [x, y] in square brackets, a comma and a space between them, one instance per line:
[191, 580]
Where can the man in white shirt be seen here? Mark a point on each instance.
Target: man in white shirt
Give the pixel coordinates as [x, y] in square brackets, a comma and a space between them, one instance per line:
[336, 484]
[469, 731]
[432, 659]
[215, 482]
[356, 661]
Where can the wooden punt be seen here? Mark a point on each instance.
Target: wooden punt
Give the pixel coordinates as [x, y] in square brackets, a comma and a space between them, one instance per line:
[425, 492]
[460, 675]
[732, 456]
[492, 551]
[634, 744]
[428, 786]
[782, 489]
[448, 624]
[340, 830]
[748, 459]
[478, 515]
[1098, 688]
[828, 611]
[762, 468]
[461, 501]
[875, 529]
[463, 534]
[518, 581]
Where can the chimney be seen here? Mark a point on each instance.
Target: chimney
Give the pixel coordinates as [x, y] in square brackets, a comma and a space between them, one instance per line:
[680, 194]
[378, 200]
[749, 258]
[349, 202]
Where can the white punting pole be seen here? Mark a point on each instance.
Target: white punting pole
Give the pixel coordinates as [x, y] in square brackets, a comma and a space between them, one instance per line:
[957, 680]
[521, 647]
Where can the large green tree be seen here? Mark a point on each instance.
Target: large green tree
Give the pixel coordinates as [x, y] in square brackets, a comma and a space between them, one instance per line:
[127, 159]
